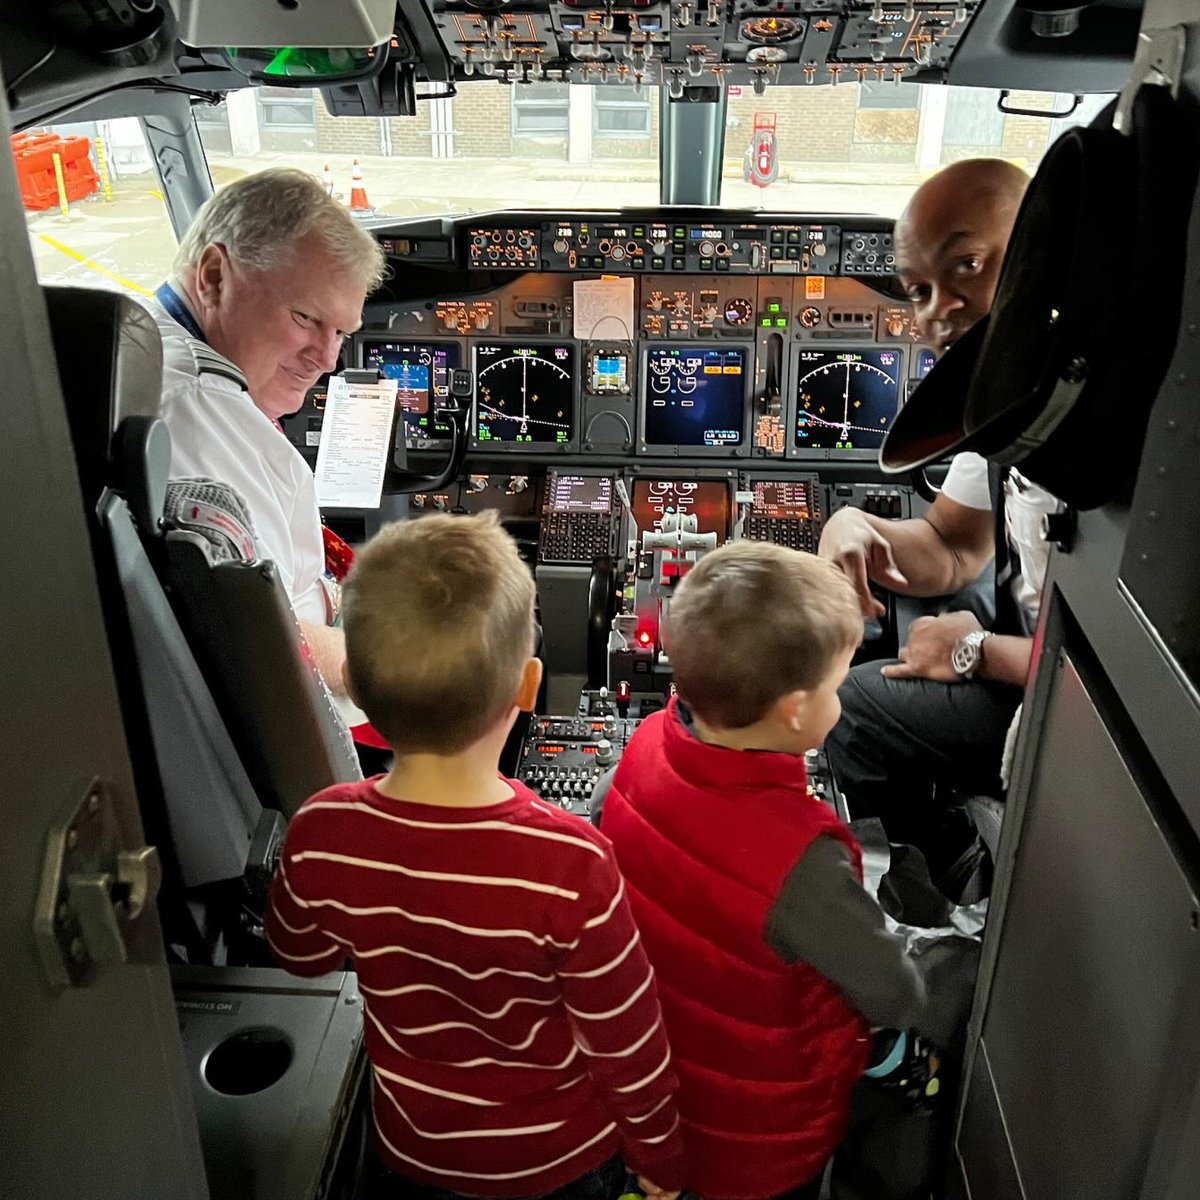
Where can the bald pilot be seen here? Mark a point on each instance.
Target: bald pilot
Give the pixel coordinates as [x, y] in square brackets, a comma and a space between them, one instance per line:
[936, 719]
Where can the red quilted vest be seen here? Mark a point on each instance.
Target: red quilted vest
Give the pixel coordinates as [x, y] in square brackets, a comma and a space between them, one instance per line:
[766, 1053]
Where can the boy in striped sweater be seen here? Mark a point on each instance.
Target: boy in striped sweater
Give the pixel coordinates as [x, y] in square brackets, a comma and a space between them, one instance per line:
[512, 1024]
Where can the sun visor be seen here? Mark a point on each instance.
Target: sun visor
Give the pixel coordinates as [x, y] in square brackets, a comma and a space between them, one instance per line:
[1048, 384]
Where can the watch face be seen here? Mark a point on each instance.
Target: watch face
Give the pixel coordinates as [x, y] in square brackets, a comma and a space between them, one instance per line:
[965, 653]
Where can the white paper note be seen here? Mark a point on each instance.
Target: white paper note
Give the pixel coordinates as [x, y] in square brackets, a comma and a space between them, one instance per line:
[356, 439]
[604, 309]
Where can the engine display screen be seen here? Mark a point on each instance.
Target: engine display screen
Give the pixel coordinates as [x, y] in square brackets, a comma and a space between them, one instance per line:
[706, 500]
[695, 396]
[845, 399]
[782, 498]
[525, 394]
[581, 493]
[924, 363]
[422, 375]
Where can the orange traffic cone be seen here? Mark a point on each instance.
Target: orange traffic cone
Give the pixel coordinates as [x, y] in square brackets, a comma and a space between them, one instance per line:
[327, 180]
[358, 193]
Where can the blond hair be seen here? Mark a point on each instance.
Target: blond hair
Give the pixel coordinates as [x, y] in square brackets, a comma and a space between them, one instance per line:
[439, 626]
[259, 220]
[752, 622]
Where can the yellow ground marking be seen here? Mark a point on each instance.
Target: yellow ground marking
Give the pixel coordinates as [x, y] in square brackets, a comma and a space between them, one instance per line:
[87, 262]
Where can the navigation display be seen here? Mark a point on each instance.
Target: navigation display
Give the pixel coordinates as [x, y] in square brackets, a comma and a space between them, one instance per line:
[581, 493]
[707, 500]
[694, 396]
[422, 375]
[845, 399]
[525, 394]
[782, 498]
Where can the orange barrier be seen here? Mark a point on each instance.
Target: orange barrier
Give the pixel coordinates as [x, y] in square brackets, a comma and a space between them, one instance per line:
[34, 156]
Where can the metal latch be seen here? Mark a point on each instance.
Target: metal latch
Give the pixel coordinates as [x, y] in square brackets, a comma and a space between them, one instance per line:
[96, 895]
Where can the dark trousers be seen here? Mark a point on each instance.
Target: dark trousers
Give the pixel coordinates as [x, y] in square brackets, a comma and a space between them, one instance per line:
[903, 744]
[605, 1182]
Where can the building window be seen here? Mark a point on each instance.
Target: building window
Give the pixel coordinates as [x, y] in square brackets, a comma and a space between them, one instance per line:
[620, 114]
[540, 110]
[889, 95]
[286, 108]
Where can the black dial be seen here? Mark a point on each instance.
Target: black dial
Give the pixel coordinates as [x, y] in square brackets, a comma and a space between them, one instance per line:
[768, 30]
[738, 311]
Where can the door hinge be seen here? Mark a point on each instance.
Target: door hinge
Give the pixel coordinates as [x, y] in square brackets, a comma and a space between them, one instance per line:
[96, 896]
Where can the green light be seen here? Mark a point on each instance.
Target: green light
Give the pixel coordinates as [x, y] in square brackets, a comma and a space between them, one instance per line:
[773, 308]
[766, 322]
[781, 322]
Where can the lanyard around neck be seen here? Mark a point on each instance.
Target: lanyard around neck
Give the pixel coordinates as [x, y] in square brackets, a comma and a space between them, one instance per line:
[178, 311]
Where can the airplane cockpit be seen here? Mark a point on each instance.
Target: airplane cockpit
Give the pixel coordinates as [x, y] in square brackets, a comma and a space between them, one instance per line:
[646, 293]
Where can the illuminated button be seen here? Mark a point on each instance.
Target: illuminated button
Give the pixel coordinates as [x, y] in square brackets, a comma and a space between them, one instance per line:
[679, 232]
[639, 231]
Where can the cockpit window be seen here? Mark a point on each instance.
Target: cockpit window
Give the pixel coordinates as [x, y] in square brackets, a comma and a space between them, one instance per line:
[855, 148]
[115, 232]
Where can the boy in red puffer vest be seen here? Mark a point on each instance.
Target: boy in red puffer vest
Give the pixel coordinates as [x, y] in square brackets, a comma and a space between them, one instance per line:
[770, 956]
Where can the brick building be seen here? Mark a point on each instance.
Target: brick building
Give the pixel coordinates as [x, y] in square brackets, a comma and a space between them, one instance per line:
[881, 123]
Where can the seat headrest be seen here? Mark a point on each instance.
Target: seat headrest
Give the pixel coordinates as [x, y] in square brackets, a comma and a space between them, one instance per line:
[109, 357]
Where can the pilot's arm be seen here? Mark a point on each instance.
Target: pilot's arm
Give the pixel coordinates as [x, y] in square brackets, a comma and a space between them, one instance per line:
[935, 554]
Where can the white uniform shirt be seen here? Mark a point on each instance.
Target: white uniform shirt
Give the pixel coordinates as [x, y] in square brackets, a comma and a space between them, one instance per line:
[1024, 506]
[217, 432]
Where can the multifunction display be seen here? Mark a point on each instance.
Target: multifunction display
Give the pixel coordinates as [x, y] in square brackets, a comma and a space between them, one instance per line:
[422, 375]
[694, 396]
[580, 494]
[787, 498]
[706, 500]
[845, 399]
[525, 394]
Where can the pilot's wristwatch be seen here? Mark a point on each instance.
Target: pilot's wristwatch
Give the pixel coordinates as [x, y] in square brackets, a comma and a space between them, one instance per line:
[968, 651]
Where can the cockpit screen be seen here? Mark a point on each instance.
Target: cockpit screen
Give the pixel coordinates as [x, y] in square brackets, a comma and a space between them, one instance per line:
[695, 396]
[525, 394]
[924, 363]
[846, 399]
[581, 493]
[782, 498]
[422, 375]
[706, 500]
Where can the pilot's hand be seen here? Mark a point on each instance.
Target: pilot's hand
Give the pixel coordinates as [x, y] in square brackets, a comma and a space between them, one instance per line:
[852, 543]
[926, 654]
[652, 1191]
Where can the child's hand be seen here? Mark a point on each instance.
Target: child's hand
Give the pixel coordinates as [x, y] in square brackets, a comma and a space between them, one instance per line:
[653, 1192]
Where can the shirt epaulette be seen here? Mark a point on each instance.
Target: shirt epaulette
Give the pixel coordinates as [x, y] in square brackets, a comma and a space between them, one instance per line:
[209, 362]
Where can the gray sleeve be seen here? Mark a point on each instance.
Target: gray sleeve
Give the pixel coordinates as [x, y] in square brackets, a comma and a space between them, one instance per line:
[596, 803]
[824, 917]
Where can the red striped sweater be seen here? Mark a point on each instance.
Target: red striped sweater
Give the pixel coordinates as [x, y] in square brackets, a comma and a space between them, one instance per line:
[511, 1016]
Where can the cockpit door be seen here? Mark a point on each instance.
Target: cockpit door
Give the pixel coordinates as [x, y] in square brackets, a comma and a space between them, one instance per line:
[94, 1101]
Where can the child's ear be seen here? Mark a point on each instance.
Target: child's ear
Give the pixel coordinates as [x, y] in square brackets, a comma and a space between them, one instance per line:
[531, 680]
[791, 710]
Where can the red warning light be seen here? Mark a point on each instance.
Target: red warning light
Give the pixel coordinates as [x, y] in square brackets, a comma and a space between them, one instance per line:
[644, 637]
